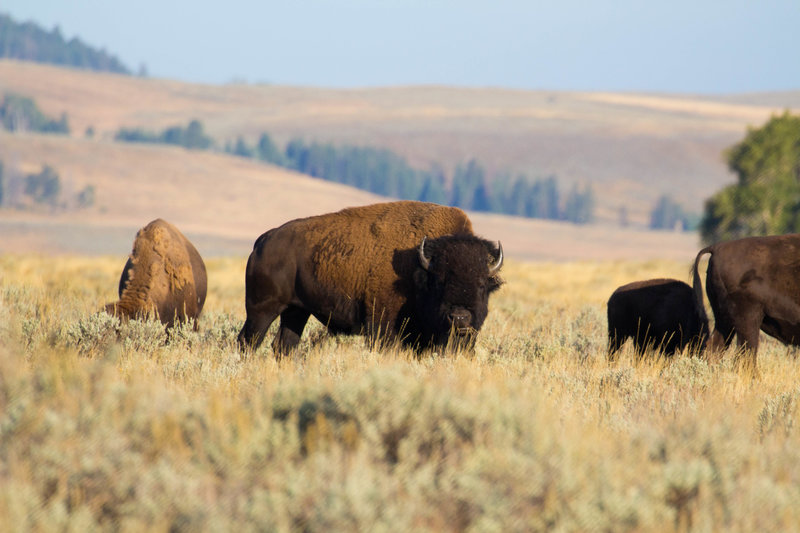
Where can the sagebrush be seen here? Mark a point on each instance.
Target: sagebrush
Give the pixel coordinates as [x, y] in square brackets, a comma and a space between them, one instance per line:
[122, 426]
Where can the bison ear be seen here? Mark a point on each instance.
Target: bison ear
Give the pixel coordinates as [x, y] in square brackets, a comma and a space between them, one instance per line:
[494, 283]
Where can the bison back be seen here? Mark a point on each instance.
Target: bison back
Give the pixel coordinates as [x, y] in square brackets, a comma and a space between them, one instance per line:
[345, 263]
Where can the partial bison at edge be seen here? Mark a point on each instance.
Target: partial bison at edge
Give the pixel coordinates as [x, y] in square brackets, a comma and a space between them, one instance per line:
[164, 275]
[410, 271]
[656, 313]
[752, 284]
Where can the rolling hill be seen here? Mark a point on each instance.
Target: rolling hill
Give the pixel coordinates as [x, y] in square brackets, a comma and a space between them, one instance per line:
[630, 147]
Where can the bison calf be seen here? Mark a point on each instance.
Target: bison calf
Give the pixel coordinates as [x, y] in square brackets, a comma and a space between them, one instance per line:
[164, 275]
[412, 271]
[658, 313]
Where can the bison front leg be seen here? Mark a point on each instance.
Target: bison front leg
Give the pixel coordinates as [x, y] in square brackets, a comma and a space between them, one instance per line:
[293, 321]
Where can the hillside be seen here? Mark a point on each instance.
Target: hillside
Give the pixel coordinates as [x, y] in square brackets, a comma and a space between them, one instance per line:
[631, 147]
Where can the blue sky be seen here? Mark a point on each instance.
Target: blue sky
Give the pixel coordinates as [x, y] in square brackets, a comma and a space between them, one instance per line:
[683, 46]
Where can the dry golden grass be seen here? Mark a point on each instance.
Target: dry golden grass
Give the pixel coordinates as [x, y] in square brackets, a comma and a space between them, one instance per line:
[124, 427]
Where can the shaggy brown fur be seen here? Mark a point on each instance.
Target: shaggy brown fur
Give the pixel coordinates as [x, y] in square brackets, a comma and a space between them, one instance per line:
[164, 275]
[354, 269]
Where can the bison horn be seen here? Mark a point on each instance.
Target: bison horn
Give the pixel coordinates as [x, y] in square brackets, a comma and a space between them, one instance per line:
[424, 261]
[497, 264]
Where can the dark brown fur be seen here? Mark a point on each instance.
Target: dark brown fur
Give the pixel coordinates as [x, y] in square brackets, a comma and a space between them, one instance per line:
[164, 276]
[655, 313]
[753, 284]
[358, 270]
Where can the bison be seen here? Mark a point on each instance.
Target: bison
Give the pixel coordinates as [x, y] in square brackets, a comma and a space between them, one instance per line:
[752, 284]
[411, 271]
[658, 313]
[164, 275]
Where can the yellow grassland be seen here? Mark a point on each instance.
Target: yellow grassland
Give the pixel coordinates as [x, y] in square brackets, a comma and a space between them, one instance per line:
[108, 426]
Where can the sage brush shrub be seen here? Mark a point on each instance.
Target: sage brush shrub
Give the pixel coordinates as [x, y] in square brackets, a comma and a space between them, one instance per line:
[115, 426]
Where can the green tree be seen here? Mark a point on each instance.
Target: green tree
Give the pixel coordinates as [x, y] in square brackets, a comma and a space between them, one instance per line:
[19, 113]
[544, 199]
[195, 138]
[192, 136]
[766, 198]
[432, 189]
[579, 205]
[268, 151]
[44, 187]
[469, 187]
[86, 197]
[29, 42]
[668, 214]
[242, 149]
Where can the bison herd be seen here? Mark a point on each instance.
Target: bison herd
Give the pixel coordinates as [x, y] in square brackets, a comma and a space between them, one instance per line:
[416, 274]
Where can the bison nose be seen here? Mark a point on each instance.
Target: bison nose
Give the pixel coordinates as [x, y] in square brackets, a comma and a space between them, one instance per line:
[460, 318]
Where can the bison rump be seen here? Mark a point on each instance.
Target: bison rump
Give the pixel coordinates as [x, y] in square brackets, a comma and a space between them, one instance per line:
[752, 284]
[164, 275]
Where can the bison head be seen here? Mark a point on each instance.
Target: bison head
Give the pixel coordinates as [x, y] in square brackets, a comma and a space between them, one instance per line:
[455, 277]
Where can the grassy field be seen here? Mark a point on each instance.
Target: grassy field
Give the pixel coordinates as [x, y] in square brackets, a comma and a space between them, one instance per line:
[123, 427]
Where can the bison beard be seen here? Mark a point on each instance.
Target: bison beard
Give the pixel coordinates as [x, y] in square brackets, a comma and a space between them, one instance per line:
[407, 271]
[452, 285]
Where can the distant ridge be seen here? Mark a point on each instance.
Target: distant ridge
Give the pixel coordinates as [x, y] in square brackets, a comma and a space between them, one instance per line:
[28, 41]
[631, 147]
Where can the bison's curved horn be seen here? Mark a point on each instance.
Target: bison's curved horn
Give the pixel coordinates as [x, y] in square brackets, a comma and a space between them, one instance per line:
[424, 261]
[497, 264]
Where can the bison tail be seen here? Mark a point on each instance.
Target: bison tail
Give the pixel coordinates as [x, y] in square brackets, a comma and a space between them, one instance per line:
[697, 285]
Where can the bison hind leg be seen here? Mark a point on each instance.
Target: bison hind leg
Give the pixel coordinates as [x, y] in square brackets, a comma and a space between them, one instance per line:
[254, 329]
[293, 322]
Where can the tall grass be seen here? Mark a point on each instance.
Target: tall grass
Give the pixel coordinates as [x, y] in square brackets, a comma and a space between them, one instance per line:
[125, 427]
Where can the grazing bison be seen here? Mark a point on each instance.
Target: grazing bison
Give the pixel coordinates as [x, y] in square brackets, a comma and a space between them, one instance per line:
[753, 284]
[412, 271]
[164, 275]
[658, 313]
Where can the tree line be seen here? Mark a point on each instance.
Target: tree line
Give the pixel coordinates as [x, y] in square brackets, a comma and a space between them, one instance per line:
[43, 188]
[19, 114]
[384, 172]
[28, 41]
[192, 136]
[377, 170]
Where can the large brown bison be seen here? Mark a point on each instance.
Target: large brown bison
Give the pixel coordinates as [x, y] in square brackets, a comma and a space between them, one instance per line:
[164, 275]
[753, 284]
[655, 313]
[411, 271]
